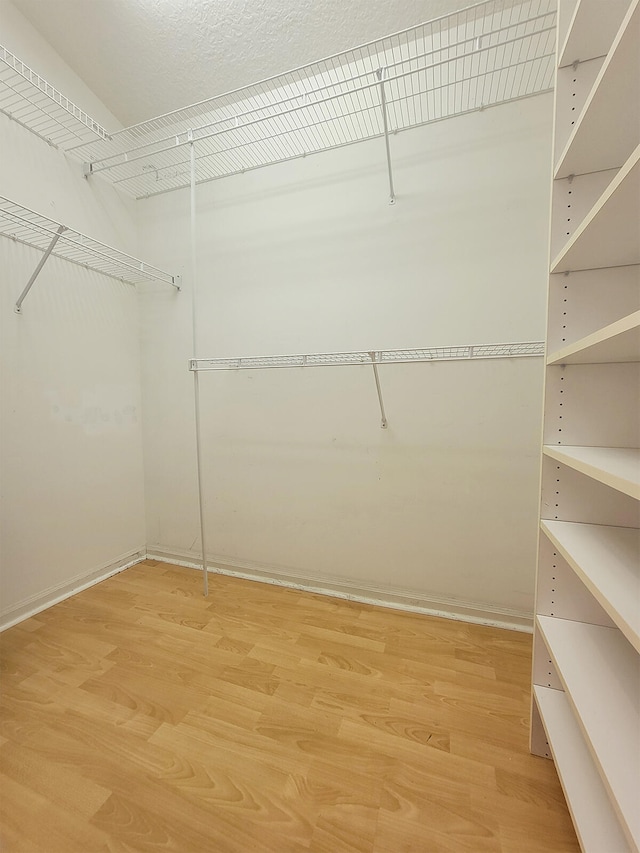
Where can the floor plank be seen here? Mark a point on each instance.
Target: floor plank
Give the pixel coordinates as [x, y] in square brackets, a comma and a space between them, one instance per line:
[140, 716]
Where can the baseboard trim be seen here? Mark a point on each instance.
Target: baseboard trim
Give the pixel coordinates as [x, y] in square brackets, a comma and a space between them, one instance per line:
[462, 611]
[36, 603]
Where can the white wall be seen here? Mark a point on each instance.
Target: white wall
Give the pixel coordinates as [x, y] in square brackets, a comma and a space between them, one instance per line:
[305, 256]
[308, 256]
[70, 457]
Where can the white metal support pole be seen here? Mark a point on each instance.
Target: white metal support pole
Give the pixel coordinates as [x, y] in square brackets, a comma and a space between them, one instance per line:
[383, 416]
[383, 101]
[36, 272]
[196, 385]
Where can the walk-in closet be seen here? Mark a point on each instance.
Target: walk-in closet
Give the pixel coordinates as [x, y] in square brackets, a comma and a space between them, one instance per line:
[320, 426]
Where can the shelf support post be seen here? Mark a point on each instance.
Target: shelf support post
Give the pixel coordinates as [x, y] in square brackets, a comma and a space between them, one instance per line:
[36, 272]
[383, 416]
[383, 102]
[196, 385]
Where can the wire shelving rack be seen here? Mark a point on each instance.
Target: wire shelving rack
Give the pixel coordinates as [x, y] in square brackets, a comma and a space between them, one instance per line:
[30, 100]
[26, 226]
[394, 356]
[489, 54]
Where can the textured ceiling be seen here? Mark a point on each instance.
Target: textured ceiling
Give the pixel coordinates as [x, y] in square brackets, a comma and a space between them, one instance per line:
[147, 57]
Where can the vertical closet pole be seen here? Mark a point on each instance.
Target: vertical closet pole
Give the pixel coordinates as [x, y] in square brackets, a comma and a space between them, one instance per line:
[196, 384]
[383, 101]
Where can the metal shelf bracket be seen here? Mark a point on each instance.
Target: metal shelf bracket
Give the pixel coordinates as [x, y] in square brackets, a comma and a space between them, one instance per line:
[380, 73]
[383, 416]
[37, 270]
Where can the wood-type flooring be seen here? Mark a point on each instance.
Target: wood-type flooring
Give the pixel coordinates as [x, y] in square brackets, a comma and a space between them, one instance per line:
[140, 716]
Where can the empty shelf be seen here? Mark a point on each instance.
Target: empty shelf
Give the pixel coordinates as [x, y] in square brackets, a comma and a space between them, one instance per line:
[478, 57]
[618, 342]
[600, 672]
[592, 30]
[608, 236]
[37, 105]
[31, 228]
[617, 467]
[607, 130]
[395, 356]
[594, 818]
[607, 560]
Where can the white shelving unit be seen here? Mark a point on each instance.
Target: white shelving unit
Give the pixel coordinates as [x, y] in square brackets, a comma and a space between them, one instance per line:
[592, 146]
[596, 821]
[604, 705]
[592, 30]
[608, 235]
[586, 673]
[606, 560]
[617, 467]
[619, 341]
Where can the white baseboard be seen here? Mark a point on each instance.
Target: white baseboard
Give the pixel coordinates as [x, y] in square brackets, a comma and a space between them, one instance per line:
[30, 606]
[463, 611]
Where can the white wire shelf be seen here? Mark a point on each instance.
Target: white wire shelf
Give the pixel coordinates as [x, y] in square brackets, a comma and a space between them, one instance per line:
[482, 56]
[31, 228]
[394, 356]
[34, 103]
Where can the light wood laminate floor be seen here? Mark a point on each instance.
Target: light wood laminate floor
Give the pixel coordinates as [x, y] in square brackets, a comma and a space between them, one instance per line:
[139, 716]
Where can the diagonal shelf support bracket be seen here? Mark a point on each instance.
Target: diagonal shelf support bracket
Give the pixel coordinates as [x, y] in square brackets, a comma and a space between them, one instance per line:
[383, 416]
[37, 270]
[380, 73]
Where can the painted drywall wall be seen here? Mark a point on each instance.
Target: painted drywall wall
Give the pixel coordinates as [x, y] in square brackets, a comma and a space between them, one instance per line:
[71, 475]
[19, 36]
[308, 256]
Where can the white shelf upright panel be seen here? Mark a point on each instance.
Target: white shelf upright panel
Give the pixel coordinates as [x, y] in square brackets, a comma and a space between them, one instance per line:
[586, 671]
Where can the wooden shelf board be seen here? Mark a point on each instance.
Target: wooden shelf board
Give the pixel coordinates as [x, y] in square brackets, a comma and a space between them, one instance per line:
[617, 342]
[614, 102]
[617, 467]
[592, 30]
[600, 672]
[608, 235]
[607, 560]
[594, 818]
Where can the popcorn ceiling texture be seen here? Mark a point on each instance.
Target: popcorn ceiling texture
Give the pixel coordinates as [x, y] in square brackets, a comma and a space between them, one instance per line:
[143, 58]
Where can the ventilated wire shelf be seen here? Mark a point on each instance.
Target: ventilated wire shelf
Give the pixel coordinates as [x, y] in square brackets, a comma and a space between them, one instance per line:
[395, 356]
[488, 54]
[31, 228]
[41, 108]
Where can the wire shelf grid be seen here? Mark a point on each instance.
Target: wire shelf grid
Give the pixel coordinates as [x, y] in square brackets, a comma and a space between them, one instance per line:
[37, 231]
[30, 100]
[488, 54]
[396, 356]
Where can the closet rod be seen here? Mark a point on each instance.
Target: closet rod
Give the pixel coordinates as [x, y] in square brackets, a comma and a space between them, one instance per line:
[395, 356]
